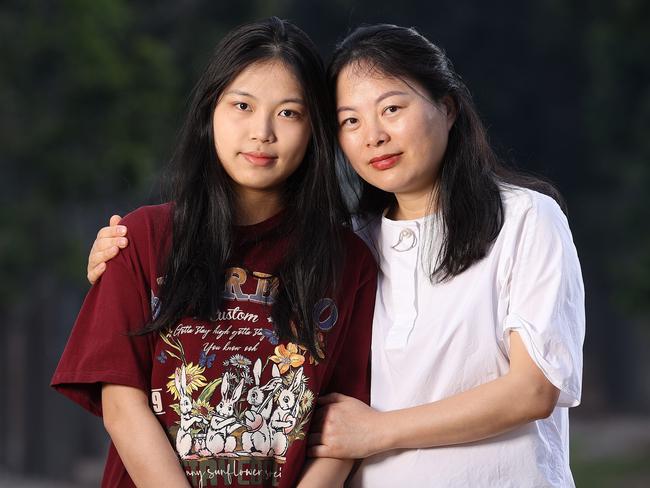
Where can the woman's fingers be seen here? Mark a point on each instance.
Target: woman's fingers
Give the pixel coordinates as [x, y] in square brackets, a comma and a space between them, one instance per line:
[105, 243]
[111, 231]
[94, 274]
[106, 246]
[114, 220]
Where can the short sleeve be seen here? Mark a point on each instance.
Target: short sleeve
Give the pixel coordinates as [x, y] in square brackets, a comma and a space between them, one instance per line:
[546, 300]
[351, 364]
[102, 347]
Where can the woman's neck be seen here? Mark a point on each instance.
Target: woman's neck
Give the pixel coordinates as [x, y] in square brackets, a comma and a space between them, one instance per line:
[411, 206]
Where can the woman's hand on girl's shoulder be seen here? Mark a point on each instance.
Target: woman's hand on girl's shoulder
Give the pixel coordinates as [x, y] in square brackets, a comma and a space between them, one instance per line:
[107, 245]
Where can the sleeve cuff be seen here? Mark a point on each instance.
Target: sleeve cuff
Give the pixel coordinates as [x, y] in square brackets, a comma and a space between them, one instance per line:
[552, 357]
[85, 388]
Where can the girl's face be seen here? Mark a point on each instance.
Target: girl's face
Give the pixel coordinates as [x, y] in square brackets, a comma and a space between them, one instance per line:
[261, 127]
[392, 134]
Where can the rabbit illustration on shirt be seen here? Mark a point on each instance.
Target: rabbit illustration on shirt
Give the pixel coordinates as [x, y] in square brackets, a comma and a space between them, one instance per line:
[257, 440]
[184, 441]
[223, 423]
[284, 417]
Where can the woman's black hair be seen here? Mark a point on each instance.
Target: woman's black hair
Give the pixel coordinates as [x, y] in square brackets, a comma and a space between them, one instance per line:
[467, 193]
[204, 203]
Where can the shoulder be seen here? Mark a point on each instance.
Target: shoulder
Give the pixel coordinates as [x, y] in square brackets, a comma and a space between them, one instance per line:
[535, 223]
[523, 205]
[154, 217]
[149, 233]
[151, 223]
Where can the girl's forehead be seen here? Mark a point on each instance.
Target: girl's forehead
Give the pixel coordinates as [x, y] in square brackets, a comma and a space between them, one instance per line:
[266, 76]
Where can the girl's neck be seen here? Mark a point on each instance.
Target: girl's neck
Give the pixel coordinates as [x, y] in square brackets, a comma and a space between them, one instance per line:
[256, 206]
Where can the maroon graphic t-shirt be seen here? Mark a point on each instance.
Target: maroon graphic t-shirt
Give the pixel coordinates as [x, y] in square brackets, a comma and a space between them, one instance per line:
[235, 401]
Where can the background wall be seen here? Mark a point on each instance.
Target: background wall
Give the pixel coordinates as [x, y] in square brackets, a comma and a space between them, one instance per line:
[92, 92]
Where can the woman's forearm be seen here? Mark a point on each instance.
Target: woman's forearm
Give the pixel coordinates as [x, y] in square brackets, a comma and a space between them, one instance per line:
[482, 412]
[139, 438]
[346, 428]
[521, 396]
[325, 473]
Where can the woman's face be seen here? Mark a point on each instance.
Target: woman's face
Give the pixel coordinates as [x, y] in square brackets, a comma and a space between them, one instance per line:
[393, 135]
[261, 127]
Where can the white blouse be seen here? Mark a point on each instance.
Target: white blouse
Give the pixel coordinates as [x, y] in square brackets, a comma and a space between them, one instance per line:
[432, 341]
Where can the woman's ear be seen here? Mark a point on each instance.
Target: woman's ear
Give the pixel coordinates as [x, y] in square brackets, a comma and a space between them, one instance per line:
[451, 110]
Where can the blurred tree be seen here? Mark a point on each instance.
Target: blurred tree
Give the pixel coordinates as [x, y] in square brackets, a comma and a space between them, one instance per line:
[617, 121]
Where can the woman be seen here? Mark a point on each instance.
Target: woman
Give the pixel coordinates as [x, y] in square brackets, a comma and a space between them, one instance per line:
[236, 305]
[479, 317]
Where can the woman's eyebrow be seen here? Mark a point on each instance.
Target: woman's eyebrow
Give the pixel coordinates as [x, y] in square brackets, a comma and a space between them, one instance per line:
[389, 94]
[381, 97]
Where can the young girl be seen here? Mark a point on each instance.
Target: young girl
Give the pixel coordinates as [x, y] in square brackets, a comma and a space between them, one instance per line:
[479, 319]
[238, 303]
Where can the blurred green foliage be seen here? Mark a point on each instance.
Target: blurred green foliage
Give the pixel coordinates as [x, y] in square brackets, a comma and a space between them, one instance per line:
[91, 94]
[617, 122]
[87, 95]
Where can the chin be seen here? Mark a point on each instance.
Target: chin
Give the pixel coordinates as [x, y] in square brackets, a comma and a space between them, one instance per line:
[387, 184]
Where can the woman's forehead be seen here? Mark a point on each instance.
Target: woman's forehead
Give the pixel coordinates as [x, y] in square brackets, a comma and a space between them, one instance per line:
[362, 82]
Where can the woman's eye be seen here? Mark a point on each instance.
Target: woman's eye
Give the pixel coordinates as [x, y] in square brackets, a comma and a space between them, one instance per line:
[391, 109]
[349, 121]
[242, 105]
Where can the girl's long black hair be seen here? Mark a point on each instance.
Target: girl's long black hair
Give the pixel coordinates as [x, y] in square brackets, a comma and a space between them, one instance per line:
[204, 204]
[467, 194]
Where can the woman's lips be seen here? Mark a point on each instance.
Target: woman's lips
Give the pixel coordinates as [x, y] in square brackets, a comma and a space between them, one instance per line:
[385, 161]
[259, 159]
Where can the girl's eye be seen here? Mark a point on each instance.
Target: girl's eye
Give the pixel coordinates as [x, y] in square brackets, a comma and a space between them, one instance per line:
[391, 109]
[289, 113]
[349, 121]
[242, 105]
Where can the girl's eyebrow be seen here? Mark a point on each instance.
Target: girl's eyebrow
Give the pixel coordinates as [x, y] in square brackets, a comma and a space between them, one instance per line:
[241, 93]
[379, 99]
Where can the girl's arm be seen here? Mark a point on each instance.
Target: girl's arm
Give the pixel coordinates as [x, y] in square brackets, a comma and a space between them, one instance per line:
[351, 429]
[106, 246]
[139, 438]
[325, 472]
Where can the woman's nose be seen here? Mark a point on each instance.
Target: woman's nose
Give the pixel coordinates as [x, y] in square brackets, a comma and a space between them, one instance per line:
[376, 136]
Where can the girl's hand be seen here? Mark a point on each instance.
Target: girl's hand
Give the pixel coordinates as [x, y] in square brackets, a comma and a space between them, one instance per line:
[346, 428]
[108, 243]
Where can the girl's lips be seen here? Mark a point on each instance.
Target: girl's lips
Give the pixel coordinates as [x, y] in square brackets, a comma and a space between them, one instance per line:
[259, 159]
[385, 162]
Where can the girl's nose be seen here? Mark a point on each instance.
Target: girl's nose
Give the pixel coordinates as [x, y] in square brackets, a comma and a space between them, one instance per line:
[262, 129]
